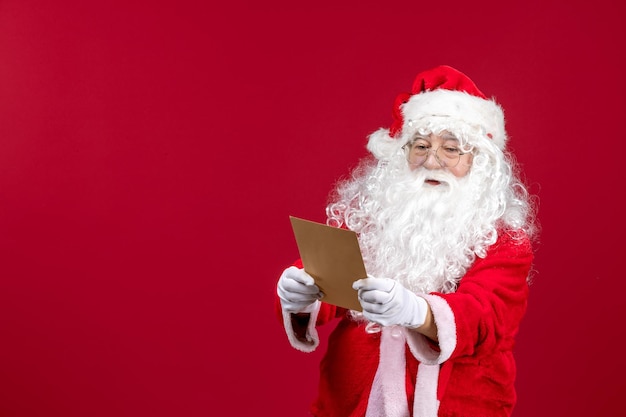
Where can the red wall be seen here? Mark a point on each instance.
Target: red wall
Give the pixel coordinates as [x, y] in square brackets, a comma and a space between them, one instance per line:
[151, 152]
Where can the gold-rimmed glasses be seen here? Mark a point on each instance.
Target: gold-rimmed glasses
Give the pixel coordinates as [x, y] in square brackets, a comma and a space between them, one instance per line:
[417, 152]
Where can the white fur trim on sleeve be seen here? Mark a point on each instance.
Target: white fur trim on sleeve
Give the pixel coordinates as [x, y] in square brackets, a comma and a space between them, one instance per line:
[446, 333]
[312, 338]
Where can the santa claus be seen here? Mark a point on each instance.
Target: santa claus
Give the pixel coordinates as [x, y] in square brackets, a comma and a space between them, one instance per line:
[446, 228]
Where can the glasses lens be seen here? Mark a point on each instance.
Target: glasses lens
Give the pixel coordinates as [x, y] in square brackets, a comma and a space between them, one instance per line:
[416, 155]
[448, 157]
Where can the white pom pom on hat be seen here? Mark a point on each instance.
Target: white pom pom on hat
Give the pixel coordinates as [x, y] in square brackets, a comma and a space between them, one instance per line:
[441, 93]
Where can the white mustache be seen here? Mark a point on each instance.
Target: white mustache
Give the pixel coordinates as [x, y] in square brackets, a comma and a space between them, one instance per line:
[436, 175]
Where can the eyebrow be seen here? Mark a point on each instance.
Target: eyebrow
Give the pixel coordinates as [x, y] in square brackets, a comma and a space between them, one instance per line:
[444, 136]
[449, 136]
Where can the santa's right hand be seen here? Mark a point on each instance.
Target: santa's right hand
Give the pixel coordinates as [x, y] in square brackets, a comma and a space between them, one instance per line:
[297, 290]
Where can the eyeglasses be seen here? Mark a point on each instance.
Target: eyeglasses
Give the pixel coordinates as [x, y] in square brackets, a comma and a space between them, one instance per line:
[448, 156]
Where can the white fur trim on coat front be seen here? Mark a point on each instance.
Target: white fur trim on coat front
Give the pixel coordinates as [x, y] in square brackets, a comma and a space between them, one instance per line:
[425, 402]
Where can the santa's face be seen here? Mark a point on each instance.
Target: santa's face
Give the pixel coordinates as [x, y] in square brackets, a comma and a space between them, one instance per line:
[437, 152]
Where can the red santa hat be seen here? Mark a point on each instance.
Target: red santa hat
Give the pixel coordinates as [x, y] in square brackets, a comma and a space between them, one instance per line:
[443, 98]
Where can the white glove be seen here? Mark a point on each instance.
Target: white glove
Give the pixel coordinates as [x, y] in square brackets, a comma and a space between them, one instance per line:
[387, 302]
[297, 290]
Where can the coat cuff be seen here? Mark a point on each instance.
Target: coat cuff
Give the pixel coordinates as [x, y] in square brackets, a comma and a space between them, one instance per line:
[421, 347]
[311, 339]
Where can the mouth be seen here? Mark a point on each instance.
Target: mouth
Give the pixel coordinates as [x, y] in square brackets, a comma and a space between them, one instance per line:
[432, 182]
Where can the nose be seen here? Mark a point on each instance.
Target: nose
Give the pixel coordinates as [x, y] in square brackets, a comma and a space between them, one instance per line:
[431, 161]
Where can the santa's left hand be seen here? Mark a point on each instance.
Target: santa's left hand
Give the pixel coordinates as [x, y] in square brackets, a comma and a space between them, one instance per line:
[387, 302]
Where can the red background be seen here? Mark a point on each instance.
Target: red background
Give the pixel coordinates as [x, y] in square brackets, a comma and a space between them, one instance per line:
[151, 152]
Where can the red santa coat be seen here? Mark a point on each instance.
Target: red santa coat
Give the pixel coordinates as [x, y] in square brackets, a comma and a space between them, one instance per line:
[469, 373]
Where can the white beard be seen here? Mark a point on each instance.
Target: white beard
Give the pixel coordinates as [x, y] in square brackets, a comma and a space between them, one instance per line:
[424, 236]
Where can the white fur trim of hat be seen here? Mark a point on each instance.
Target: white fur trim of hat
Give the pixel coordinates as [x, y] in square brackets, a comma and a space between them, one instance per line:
[452, 103]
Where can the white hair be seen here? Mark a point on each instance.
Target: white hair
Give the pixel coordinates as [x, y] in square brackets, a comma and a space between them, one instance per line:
[427, 237]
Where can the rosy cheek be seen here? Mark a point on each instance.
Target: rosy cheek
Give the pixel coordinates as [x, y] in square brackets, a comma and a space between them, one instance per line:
[463, 168]
[460, 171]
